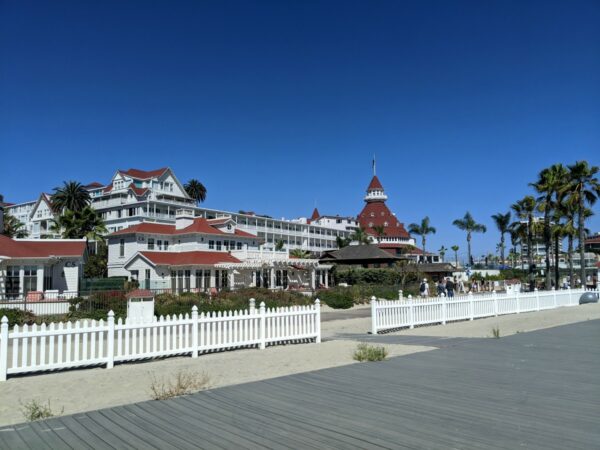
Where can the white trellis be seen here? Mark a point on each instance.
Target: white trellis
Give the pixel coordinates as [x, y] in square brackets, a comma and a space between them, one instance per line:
[61, 345]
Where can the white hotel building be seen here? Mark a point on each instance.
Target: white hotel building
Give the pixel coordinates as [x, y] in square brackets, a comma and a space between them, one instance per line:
[136, 196]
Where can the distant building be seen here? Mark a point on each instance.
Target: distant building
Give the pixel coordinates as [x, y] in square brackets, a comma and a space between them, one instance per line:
[592, 244]
[367, 256]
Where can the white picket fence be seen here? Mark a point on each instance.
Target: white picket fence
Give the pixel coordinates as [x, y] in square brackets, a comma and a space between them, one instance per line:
[61, 345]
[388, 315]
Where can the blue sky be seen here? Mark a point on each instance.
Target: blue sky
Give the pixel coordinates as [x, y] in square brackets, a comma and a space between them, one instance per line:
[277, 105]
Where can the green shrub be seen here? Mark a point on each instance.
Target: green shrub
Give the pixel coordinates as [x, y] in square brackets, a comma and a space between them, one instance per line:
[340, 298]
[34, 410]
[17, 316]
[366, 352]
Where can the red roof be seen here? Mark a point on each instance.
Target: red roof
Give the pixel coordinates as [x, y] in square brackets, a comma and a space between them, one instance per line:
[199, 225]
[375, 184]
[378, 214]
[593, 240]
[40, 248]
[93, 185]
[315, 214]
[136, 190]
[189, 258]
[144, 174]
[140, 293]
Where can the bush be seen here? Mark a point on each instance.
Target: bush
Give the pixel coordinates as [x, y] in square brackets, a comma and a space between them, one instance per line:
[339, 298]
[365, 352]
[34, 410]
[17, 316]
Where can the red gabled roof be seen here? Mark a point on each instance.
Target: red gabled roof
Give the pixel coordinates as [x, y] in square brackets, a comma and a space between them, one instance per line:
[93, 185]
[315, 214]
[199, 225]
[375, 184]
[144, 174]
[136, 190]
[377, 214]
[189, 258]
[40, 248]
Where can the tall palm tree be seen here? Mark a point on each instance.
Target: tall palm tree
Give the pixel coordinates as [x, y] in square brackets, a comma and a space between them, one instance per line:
[360, 235]
[13, 228]
[442, 251]
[379, 232]
[455, 249]
[300, 253]
[551, 181]
[86, 223]
[196, 190]
[524, 210]
[422, 229]
[71, 195]
[502, 222]
[468, 224]
[583, 189]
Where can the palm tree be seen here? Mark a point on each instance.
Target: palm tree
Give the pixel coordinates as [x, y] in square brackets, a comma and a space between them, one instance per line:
[379, 232]
[300, 253]
[72, 195]
[583, 188]
[442, 251]
[13, 228]
[86, 223]
[196, 190]
[468, 224]
[551, 181]
[422, 229]
[360, 235]
[279, 245]
[502, 222]
[455, 249]
[524, 209]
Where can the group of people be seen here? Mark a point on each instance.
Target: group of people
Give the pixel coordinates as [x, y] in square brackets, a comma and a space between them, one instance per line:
[446, 286]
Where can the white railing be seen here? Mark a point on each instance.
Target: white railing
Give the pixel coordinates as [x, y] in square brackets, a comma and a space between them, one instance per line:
[388, 315]
[34, 348]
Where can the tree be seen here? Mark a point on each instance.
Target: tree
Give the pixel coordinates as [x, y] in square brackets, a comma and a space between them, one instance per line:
[379, 232]
[86, 223]
[196, 190]
[300, 253]
[455, 249]
[442, 251]
[13, 228]
[468, 224]
[360, 235]
[342, 242]
[71, 196]
[96, 264]
[502, 222]
[422, 229]
[524, 210]
[279, 245]
[551, 181]
[582, 189]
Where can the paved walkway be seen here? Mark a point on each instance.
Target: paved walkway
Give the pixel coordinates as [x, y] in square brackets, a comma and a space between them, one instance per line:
[530, 390]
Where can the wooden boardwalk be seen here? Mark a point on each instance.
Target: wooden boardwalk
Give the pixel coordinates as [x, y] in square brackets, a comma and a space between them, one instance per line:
[535, 390]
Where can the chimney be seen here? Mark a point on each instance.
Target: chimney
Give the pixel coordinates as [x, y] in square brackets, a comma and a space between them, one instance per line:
[183, 218]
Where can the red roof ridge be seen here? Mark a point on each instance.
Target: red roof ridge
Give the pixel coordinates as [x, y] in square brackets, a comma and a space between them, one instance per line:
[315, 214]
[144, 174]
[375, 184]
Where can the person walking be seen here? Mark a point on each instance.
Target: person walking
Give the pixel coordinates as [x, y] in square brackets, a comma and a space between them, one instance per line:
[424, 288]
[450, 287]
[441, 288]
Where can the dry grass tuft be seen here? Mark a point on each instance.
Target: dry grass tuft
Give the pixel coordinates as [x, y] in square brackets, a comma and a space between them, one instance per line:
[366, 352]
[34, 410]
[182, 383]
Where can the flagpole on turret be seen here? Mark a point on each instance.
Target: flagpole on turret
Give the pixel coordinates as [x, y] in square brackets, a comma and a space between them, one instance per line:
[374, 166]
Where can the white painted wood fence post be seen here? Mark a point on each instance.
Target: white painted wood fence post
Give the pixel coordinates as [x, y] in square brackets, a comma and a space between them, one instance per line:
[110, 341]
[3, 348]
[252, 306]
[471, 306]
[318, 320]
[495, 296]
[411, 310]
[373, 315]
[537, 299]
[263, 325]
[444, 309]
[195, 331]
[570, 298]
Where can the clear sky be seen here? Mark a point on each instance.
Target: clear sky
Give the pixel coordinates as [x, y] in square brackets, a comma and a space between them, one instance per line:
[276, 106]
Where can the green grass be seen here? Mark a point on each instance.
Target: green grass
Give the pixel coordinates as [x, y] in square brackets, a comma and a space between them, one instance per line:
[366, 352]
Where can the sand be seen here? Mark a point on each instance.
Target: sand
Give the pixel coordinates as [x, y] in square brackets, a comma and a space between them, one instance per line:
[82, 390]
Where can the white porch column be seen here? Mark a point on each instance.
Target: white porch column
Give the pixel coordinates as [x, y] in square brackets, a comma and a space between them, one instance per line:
[312, 278]
[272, 272]
[326, 272]
[231, 280]
[40, 278]
[21, 281]
[193, 279]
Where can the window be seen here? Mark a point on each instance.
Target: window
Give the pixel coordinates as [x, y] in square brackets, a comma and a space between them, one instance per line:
[119, 213]
[166, 245]
[122, 248]
[12, 281]
[135, 275]
[232, 245]
[150, 243]
[29, 279]
[187, 275]
[211, 245]
[147, 279]
[239, 245]
[132, 212]
[218, 245]
[47, 278]
[226, 244]
[159, 244]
